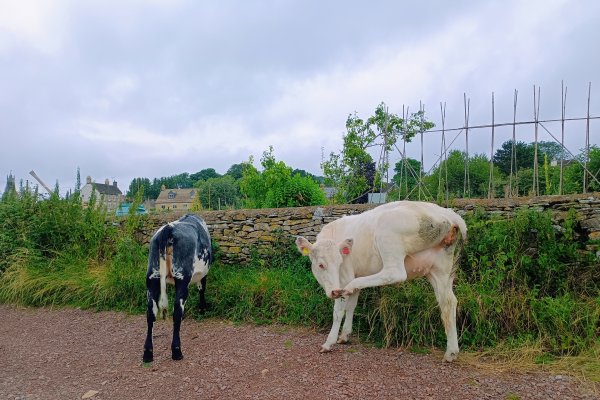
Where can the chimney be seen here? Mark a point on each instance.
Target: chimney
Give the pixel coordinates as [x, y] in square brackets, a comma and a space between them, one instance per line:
[88, 180]
[106, 181]
[115, 183]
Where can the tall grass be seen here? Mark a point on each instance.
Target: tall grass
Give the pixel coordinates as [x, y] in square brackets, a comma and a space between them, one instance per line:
[520, 281]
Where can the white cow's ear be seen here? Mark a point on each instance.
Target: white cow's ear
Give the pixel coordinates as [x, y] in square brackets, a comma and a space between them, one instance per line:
[303, 245]
[346, 247]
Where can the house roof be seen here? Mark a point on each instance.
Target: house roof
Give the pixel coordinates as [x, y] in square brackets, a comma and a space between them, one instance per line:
[176, 195]
[105, 189]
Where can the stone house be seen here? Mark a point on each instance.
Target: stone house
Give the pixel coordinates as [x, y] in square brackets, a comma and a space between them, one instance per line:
[175, 199]
[107, 194]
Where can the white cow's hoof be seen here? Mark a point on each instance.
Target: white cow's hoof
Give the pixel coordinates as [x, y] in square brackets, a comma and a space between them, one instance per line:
[343, 341]
[325, 349]
[450, 356]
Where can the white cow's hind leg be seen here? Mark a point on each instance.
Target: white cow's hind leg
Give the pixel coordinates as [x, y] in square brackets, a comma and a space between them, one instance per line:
[338, 313]
[441, 279]
[350, 303]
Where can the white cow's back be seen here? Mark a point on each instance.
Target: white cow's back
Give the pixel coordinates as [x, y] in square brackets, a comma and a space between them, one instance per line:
[401, 222]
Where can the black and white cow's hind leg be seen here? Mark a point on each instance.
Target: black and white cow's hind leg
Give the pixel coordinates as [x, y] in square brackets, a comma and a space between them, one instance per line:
[202, 304]
[181, 295]
[153, 293]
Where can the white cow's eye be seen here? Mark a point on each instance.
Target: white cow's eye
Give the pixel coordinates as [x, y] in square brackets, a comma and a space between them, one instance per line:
[321, 266]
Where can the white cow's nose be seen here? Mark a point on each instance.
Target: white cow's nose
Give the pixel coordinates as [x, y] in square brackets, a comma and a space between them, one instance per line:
[336, 293]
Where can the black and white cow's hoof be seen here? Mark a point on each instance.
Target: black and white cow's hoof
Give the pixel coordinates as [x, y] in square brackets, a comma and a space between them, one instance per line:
[148, 356]
[204, 308]
[176, 353]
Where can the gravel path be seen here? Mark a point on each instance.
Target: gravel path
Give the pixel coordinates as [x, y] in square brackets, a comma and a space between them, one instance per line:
[74, 354]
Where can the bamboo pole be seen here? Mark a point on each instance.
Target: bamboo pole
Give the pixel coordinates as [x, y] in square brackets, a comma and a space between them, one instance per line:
[491, 179]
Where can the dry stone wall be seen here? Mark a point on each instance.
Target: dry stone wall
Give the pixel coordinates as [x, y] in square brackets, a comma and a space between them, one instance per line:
[241, 232]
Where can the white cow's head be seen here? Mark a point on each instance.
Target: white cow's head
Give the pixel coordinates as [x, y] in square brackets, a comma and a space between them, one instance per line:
[326, 257]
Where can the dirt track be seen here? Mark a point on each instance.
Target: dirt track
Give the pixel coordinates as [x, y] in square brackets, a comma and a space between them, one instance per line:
[68, 353]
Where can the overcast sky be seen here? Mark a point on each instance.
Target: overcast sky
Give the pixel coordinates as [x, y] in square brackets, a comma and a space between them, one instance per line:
[124, 89]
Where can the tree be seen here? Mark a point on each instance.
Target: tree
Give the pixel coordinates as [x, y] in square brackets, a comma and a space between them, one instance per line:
[236, 171]
[78, 182]
[406, 178]
[573, 176]
[138, 184]
[552, 150]
[275, 186]
[204, 175]
[454, 169]
[303, 173]
[352, 171]
[523, 153]
[218, 193]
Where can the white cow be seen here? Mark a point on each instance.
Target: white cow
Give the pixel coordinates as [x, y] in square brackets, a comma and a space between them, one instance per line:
[388, 244]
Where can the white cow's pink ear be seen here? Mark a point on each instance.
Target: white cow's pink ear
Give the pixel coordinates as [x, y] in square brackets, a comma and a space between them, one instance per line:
[346, 247]
[303, 245]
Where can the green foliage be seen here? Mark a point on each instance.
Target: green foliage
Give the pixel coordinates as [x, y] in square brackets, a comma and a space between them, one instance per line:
[152, 190]
[205, 174]
[236, 171]
[453, 170]
[218, 193]
[352, 171]
[524, 155]
[55, 251]
[275, 186]
[573, 179]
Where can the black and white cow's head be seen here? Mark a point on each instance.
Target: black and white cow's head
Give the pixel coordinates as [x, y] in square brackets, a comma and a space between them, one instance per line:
[326, 258]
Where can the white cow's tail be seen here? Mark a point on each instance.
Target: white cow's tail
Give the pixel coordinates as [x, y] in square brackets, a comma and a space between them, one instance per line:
[462, 226]
[165, 260]
[458, 250]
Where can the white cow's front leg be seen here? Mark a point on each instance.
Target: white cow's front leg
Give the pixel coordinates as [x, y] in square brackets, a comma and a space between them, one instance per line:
[338, 314]
[388, 275]
[351, 302]
[393, 270]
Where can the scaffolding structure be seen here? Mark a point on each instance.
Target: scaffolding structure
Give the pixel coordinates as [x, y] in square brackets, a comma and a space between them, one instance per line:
[539, 126]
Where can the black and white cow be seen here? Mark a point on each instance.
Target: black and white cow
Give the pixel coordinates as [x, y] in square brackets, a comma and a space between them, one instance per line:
[180, 253]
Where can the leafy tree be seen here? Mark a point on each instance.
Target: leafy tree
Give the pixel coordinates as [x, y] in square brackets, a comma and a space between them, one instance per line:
[479, 177]
[204, 175]
[78, 181]
[573, 173]
[275, 186]
[523, 153]
[406, 178]
[139, 184]
[552, 150]
[236, 171]
[303, 173]
[351, 171]
[218, 193]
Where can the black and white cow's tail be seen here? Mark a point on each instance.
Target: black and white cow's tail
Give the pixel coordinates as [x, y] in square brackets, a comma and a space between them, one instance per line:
[165, 255]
